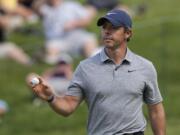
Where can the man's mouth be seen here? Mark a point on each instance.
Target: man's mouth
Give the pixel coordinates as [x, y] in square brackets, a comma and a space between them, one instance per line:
[107, 38]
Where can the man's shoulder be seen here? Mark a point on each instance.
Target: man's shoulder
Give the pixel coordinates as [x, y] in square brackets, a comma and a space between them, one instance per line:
[94, 60]
[147, 67]
[143, 62]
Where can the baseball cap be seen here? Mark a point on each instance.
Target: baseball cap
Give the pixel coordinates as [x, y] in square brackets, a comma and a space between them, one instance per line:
[117, 18]
[64, 59]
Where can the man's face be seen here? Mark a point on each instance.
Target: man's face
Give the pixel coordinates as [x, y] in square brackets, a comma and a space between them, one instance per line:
[112, 36]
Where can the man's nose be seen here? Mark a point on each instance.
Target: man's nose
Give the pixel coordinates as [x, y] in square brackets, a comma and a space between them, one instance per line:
[107, 31]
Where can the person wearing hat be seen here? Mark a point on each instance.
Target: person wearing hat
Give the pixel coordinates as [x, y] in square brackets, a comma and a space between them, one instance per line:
[114, 83]
[58, 76]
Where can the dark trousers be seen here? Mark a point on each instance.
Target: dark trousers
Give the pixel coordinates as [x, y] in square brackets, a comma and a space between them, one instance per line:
[137, 133]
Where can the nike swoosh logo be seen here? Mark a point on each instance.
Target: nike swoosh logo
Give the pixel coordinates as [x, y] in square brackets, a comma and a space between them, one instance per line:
[129, 71]
[110, 13]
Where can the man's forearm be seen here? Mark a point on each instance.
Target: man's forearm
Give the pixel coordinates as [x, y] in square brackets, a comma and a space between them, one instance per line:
[157, 117]
[158, 125]
[64, 105]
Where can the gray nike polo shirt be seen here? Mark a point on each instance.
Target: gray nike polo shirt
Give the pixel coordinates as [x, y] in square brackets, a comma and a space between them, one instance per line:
[115, 93]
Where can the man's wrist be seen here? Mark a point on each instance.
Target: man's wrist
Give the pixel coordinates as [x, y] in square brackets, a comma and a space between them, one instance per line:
[50, 98]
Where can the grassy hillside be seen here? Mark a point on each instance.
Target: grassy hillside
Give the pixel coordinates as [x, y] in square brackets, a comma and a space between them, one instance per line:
[156, 37]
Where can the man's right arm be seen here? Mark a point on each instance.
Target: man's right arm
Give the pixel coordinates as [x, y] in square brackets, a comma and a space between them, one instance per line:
[65, 105]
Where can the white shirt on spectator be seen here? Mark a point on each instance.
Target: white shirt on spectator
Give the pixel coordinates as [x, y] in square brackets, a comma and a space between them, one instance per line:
[55, 18]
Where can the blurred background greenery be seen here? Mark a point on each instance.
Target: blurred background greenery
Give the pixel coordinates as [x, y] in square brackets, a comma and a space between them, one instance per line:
[156, 37]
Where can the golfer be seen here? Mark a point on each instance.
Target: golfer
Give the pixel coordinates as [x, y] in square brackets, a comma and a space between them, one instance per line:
[115, 84]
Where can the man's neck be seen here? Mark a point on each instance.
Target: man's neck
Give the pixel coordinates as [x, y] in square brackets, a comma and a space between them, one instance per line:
[117, 54]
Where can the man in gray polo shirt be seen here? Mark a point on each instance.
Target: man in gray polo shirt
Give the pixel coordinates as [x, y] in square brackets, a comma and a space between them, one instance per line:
[114, 83]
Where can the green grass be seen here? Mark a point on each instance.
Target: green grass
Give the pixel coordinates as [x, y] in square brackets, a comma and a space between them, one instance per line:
[156, 37]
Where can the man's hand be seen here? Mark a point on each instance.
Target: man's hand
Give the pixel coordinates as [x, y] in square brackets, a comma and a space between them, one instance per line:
[62, 105]
[41, 89]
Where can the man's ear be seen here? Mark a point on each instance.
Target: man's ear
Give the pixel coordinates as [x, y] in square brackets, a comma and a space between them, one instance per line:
[128, 33]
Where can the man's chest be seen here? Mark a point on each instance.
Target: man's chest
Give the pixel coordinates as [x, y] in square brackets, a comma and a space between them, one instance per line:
[112, 81]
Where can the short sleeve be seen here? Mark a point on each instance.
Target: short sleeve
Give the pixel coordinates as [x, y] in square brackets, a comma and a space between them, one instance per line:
[76, 85]
[152, 93]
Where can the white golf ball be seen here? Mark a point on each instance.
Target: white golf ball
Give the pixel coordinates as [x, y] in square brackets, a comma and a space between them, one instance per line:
[35, 81]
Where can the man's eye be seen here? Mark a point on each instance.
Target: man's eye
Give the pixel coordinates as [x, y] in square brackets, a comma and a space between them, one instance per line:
[103, 27]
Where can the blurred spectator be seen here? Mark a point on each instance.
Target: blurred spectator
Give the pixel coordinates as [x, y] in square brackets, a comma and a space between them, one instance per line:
[27, 6]
[3, 108]
[2, 34]
[109, 5]
[64, 25]
[103, 4]
[136, 10]
[141, 9]
[8, 5]
[9, 20]
[10, 50]
[57, 77]
[16, 13]
[27, 3]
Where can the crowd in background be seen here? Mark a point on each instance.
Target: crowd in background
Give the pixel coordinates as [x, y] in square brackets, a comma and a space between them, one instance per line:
[66, 37]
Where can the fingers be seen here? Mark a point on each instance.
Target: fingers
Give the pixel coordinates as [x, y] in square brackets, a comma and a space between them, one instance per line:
[39, 86]
[38, 91]
[40, 80]
[29, 79]
[42, 91]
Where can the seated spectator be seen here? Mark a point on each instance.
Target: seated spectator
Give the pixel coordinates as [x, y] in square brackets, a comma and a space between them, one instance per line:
[8, 5]
[26, 9]
[7, 15]
[64, 25]
[109, 5]
[16, 13]
[27, 3]
[57, 77]
[103, 4]
[10, 50]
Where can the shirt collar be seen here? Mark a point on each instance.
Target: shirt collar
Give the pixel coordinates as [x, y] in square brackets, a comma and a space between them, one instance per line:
[103, 56]
[128, 56]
